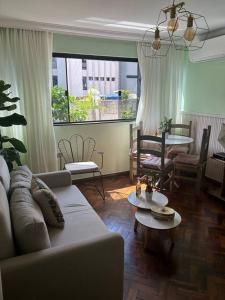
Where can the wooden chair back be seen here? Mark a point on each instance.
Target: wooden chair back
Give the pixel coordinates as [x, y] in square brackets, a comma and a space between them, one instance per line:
[141, 149]
[76, 148]
[133, 134]
[205, 145]
[180, 129]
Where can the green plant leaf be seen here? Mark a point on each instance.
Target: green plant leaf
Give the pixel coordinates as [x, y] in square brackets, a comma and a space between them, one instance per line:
[17, 144]
[9, 107]
[14, 99]
[10, 155]
[4, 86]
[14, 119]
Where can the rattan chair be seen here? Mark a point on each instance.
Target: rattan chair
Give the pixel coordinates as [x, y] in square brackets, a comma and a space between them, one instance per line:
[76, 155]
[192, 167]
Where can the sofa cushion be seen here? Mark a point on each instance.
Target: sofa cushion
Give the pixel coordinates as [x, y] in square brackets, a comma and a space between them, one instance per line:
[4, 174]
[21, 177]
[81, 221]
[6, 238]
[48, 203]
[81, 167]
[28, 222]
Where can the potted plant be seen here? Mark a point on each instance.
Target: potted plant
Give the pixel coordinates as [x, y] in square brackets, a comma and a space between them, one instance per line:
[165, 125]
[10, 148]
[151, 181]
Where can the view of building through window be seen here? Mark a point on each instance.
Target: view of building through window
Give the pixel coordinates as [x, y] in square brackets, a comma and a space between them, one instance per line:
[93, 89]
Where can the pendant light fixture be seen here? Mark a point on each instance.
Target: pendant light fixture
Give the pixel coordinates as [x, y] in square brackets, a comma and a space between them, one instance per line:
[173, 23]
[189, 33]
[156, 44]
[177, 27]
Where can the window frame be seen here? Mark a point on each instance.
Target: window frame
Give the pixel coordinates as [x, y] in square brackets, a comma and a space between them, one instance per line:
[99, 57]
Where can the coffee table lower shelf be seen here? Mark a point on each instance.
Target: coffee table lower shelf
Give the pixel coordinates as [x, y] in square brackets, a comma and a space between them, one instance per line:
[145, 218]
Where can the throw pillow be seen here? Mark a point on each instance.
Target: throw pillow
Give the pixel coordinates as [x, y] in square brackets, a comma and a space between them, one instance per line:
[30, 230]
[21, 177]
[4, 174]
[47, 202]
[6, 237]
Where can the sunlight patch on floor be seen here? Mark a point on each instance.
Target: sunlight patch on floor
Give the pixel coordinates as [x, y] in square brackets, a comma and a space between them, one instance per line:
[122, 193]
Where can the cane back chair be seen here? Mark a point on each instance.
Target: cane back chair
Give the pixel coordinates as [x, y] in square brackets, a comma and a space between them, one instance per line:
[76, 155]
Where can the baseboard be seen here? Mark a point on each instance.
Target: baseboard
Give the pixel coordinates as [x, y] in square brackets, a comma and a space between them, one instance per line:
[124, 173]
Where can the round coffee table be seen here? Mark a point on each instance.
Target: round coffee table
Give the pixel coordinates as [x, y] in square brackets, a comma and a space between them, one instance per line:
[147, 200]
[145, 218]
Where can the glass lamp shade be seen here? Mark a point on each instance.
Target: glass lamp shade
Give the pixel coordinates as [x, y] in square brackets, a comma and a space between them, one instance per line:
[172, 25]
[156, 44]
[189, 34]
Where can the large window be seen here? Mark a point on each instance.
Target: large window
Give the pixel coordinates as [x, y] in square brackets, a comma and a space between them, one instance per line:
[93, 89]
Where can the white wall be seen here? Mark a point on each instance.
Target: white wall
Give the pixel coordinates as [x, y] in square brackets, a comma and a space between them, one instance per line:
[111, 138]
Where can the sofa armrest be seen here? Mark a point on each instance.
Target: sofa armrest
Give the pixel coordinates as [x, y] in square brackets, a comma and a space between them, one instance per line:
[56, 179]
[91, 270]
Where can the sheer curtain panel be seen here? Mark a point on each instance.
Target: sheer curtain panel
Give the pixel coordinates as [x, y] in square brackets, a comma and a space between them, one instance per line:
[161, 88]
[25, 63]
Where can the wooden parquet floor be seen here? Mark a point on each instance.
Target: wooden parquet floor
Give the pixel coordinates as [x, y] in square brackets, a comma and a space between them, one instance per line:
[193, 269]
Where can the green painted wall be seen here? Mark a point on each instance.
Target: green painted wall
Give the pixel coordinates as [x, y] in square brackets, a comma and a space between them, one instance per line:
[204, 90]
[93, 46]
[116, 149]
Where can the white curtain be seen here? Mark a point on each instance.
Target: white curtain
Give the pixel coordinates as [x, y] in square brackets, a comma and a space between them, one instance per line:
[25, 63]
[161, 88]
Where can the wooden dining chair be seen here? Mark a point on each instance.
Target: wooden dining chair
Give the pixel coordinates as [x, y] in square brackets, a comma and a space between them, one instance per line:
[192, 167]
[133, 149]
[156, 162]
[180, 129]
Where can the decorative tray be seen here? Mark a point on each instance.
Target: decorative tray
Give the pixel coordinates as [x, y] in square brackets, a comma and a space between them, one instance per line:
[163, 212]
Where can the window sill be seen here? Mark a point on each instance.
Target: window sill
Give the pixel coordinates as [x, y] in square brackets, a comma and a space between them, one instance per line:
[93, 122]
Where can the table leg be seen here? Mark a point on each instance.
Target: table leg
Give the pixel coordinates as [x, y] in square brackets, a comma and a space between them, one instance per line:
[135, 225]
[223, 183]
[146, 238]
[171, 234]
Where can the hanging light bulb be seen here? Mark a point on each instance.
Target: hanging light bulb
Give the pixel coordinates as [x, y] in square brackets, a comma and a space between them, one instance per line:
[156, 43]
[189, 33]
[173, 23]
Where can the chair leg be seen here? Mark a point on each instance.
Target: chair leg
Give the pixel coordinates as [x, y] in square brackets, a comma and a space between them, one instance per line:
[102, 191]
[161, 183]
[131, 171]
[102, 184]
[171, 181]
[198, 182]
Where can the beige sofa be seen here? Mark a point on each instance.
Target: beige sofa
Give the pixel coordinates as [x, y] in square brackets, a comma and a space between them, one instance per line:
[85, 260]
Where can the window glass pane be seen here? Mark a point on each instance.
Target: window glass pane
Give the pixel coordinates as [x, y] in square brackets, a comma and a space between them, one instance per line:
[60, 107]
[98, 89]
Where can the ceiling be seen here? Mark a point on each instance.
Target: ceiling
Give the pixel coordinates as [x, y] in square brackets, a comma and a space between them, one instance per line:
[124, 19]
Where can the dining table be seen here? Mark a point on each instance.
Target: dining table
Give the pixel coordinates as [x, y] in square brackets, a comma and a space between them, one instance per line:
[173, 139]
